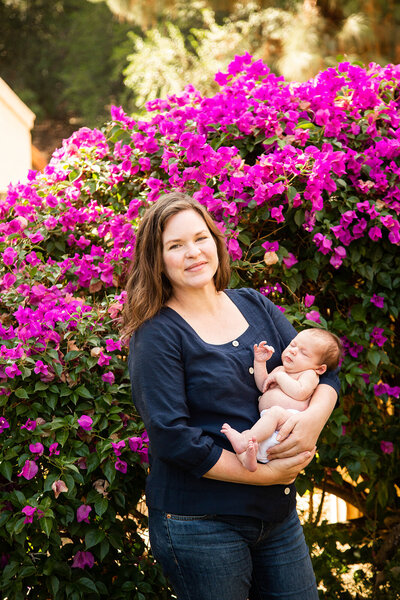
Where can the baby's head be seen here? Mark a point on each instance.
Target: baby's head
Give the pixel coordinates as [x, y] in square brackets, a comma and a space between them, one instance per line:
[313, 348]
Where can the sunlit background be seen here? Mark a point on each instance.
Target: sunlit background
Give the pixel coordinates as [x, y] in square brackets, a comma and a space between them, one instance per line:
[68, 61]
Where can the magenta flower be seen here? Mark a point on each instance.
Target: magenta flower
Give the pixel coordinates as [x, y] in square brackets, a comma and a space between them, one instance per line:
[144, 455]
[53, 449]
[29, 512]
[9, 255]
[377, 336]
[121, 465]
[270, 246]
[375, 233]
[234, 249]
[82, 513]
[8, 280]
[276, 213]
[314, 315]
[339, 254]
[117, 447]
[378, 300]
[309, 300]
[82, 560]
[30, 425]
[12, 371]
[29, 469]
[135, 443]
[104, 359]
[387, 447]
[324, 244]
[112, 345]
[40, 367]
[37, 448]
[4, 424]
[289, 260]
[85, 422]
[108, 377]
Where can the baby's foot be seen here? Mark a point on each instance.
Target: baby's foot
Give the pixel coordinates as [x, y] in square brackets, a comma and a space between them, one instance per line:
[249, 457]
[237, 440]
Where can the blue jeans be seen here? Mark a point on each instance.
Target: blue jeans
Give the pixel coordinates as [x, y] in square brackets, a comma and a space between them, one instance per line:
[212, 557]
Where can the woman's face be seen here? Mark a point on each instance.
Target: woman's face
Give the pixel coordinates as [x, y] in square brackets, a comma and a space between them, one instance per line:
[189, 251]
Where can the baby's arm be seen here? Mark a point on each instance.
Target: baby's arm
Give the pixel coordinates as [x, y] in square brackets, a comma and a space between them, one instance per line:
[298, 389]
[262, 353]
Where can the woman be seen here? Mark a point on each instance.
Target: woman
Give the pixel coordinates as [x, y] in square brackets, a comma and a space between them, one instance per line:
[219, 531]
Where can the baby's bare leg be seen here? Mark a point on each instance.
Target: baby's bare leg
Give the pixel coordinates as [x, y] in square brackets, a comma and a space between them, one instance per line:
[249, 457]
[269, 422]
[244, 445]
[239, 441]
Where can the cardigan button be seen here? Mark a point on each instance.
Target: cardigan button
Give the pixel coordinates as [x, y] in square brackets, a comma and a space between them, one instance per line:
[235, 343]
[251, 370]
[287, 491]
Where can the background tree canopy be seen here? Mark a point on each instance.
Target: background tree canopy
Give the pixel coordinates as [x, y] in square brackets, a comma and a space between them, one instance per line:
[70, 60]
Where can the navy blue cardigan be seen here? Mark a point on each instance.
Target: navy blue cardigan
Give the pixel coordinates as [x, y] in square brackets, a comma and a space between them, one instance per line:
[185, 389]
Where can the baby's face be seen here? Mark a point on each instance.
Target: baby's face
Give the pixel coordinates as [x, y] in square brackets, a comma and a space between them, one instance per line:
[303, 352]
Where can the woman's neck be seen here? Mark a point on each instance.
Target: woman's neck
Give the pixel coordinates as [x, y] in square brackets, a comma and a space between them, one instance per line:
[204, 300]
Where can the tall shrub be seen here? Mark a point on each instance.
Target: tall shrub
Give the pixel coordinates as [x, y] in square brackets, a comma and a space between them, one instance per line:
[304, 181]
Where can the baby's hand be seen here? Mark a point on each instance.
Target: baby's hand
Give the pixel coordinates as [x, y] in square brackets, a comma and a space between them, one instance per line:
[270, 380]
[262, 352]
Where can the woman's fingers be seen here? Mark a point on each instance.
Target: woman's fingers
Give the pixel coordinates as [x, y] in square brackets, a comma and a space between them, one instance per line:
[287, 469]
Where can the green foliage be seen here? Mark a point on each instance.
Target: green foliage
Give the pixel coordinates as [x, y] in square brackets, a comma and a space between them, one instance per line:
[304, 181]
[64, 58]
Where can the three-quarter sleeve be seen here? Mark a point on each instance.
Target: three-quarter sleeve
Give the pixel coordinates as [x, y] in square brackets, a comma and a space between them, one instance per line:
[157, 372]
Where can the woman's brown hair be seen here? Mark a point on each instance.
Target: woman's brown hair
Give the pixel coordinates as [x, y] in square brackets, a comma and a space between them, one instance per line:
[148, 289]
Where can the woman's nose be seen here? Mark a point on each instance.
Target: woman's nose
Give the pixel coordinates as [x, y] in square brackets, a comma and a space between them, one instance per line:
[192, 250]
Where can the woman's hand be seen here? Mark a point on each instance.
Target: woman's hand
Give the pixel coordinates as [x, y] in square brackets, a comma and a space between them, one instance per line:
[280, 471]
[301, 431]
[285, 470]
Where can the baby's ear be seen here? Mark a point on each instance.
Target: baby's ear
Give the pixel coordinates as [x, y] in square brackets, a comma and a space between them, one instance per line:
[320, 370]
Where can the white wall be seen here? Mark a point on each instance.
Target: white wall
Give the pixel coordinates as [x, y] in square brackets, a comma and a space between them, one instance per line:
[16, 121]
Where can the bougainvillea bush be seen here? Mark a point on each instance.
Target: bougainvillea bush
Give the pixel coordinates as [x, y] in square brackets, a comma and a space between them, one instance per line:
[304, 179]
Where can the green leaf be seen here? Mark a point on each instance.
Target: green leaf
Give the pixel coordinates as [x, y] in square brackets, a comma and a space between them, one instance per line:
[88, 584]
[374, 357]
[46, 525]
[235, 280]
[104, 549]
[54, 584]
[109, 471]
[21, 393]
[93, 537]
[27, 571]
[101, 505]
[359, 312]
[83, 392]
[244, 238]
[384, 279]
[72, 354]
[19, 526]
[312, 271]
[40, 386]
[6, 470]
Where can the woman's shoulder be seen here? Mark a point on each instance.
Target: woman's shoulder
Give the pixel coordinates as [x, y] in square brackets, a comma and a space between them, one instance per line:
[160, 328]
